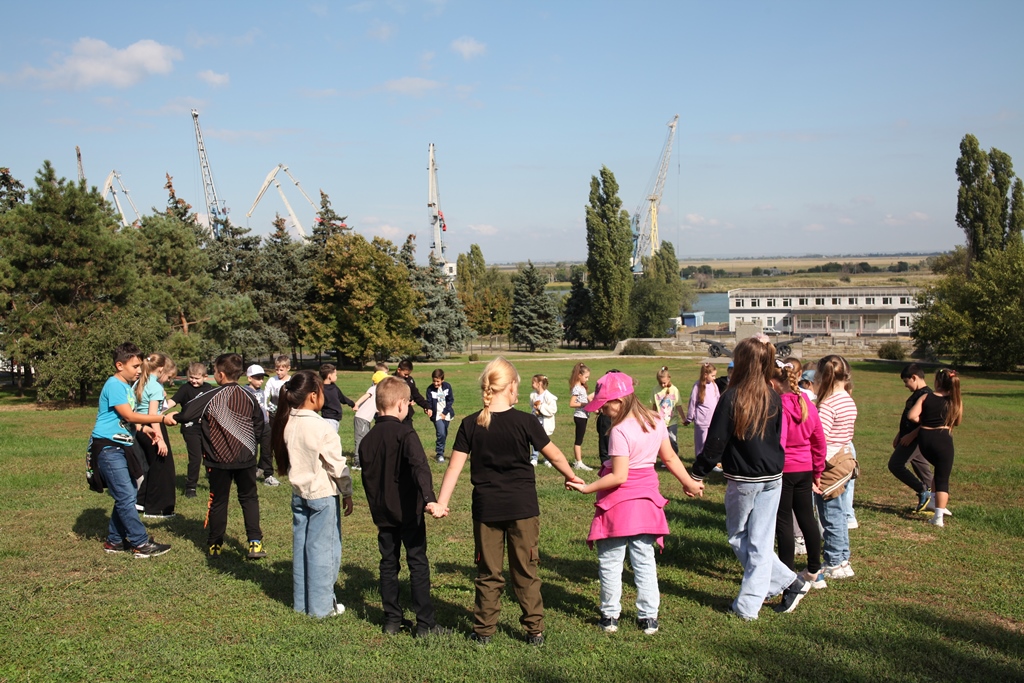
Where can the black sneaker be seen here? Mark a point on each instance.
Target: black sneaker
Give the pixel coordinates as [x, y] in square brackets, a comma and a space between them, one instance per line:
[479, 639]
[923, 499]
[394, 628]
[150, 549]
[434, 630]
[792, 596]
[535, 639]
[112, 548]
[190, 493]
[648, 626]
[608, 624]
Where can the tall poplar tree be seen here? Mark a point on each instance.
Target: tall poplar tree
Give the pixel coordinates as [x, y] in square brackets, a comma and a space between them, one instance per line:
[990, 202]
[609, 251]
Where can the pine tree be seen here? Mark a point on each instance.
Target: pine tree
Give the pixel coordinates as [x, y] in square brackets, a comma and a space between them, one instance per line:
[578, 316]
[442, 324]
[281, 286]
[327, 223]
[534, 314]
[609, 251]
[12, 192]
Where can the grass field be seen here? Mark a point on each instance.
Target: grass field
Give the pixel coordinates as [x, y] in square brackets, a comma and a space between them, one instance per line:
[927, 604]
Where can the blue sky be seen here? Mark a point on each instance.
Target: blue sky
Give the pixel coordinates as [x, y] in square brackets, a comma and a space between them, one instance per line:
[805, 127]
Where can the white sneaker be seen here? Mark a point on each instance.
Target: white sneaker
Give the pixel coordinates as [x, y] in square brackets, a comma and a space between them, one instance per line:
[270, 481]
[840, 571]
[852, 523]
[259, 473]
[816, 581]
[580, 465]
[547, 463]
[533, 461]
[800, 547]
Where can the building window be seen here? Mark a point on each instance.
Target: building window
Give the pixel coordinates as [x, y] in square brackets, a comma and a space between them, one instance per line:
[887, 301]
[802, 302]
[820, 301]
[786, 303]
[770, 303]
[771, 322]
[869, 300]
[905, 300]
[739, 303]
[904, 321]
[836, 301]
[852, 301]
[739, 318]
[754, 303]
[785, 322]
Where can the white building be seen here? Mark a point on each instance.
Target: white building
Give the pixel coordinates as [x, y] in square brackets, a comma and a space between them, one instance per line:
[826, 310]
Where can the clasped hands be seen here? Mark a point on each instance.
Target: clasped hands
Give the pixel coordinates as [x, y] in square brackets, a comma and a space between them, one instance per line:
[436, 511]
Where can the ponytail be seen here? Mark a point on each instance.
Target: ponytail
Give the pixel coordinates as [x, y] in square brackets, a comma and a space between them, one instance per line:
[948, 382]
[293, 394]
[150, 364]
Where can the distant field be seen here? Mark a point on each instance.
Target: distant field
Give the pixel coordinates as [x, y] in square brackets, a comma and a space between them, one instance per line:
[797, 262]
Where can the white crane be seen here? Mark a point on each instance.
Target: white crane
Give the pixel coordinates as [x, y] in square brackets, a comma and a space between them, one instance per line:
[215, 208]
[81, 171]
[645, 219]
[272, 178]
[437, 223]
[108, 188]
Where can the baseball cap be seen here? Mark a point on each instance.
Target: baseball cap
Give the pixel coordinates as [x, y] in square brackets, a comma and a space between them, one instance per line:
[255, 371]
[378, 376]
[610, 387]
[808, 375]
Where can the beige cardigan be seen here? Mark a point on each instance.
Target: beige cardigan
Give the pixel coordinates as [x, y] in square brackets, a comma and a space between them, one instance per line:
[317, 468]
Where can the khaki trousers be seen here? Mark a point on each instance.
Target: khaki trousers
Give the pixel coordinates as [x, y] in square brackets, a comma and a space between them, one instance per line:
[521, 536]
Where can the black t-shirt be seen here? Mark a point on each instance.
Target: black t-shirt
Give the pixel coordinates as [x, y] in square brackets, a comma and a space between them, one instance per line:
[332, 403]
[185, 393]
[504, 482]
[906, 425]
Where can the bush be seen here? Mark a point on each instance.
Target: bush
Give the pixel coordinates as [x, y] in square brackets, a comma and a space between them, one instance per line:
[474, 357]
[635, 347]
[892, 350]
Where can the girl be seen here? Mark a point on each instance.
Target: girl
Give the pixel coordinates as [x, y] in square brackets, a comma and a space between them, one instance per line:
[579, 398]
[545, 405]
[629, 509]
[938, 413]
[838, 415]
[156, 496]
[703, 400]
[309, 452]
[505, 508]
[665, 401]
[745, 436]
[805, 461]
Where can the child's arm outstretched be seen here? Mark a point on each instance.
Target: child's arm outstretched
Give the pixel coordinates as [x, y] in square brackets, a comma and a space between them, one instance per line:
[617, 477]
[451, 477]
[691, 487]
[558, 460]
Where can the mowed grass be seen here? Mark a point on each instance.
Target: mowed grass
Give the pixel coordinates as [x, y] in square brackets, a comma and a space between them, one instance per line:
[926, 605]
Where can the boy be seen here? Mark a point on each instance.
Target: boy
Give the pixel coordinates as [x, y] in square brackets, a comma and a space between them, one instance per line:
[397, 504]
[905, 443]
[333, 396]
[404, 371]
[111, 458]
[366, 409]
[256, 374]
[232, 423]
[191, 432]
[442, 409]
[282, 366]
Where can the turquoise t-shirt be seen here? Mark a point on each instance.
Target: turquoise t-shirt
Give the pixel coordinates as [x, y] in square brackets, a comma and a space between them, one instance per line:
[153, 391]
[109, 425]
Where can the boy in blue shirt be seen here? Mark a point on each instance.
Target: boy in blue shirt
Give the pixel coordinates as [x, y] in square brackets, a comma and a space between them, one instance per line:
[110, 456]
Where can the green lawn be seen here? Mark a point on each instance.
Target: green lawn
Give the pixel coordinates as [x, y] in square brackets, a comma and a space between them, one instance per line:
[926, 605]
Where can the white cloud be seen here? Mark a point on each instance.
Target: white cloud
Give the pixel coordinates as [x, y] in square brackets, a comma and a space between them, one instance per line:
[93, 62]
[483, 229]
[410, 85]
[917, 216]
[381, 31]
[468, 47]
[214, 79]
[694, 219]
[892, 221]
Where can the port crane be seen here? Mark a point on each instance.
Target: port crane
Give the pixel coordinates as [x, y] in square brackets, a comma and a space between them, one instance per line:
[215, 208]
[272, 178]
[437, 224]
[109, 189]
[644, 223]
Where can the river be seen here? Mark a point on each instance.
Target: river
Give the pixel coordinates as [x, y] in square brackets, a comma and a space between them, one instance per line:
[715, 307]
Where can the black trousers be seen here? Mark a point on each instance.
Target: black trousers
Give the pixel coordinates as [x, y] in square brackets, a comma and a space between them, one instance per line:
[937, 447]
[220, 493]
[898, 466]
[156, 495]
[193, 437]
[797, 499]
[266, 457]
[390, 541]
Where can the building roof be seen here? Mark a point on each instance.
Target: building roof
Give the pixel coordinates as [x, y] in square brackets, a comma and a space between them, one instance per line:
[823, 291]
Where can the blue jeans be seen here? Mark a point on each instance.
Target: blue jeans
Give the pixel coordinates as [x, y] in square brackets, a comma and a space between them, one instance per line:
[836, 533]
[441, 427]
[848, 493]
[316, 553]
[750, 510]
[335, 425]
[124, 518]
[611, 553]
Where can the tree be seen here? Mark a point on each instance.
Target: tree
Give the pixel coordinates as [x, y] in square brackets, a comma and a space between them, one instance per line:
[12, 192]
[578, 318]
[486, 294]
[281, 286]
[534, 314]
[609, 251]
[327, 223]
[659, 294]
[442, 324]
[990, 202]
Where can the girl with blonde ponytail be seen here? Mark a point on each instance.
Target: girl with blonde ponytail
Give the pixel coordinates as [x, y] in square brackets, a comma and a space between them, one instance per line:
[156, 495]
[505, 508]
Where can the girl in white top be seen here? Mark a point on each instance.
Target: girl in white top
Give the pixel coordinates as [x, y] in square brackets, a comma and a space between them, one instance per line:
[577, 401]
[310, 452]
[545, 405]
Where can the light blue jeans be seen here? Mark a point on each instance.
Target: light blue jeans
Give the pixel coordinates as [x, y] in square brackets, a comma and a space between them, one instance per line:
[124, 518]
[750, 510]
[611, 554]
[848, 493]
[316, 553]
[835, 532]
[335, 425]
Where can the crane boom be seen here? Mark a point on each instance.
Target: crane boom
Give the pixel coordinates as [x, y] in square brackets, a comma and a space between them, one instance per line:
[272, 178]
[81, 171]
[645, 218]
[108, 188]
[214, 207]
[437, 223]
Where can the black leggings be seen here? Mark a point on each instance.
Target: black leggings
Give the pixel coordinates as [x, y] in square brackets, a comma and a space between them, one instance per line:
[797, 499]
[581, 429]
[937, 447]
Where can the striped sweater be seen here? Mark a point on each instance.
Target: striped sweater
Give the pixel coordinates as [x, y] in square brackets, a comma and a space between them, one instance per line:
[838, 415]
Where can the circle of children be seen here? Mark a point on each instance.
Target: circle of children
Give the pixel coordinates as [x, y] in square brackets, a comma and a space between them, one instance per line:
[781, 434]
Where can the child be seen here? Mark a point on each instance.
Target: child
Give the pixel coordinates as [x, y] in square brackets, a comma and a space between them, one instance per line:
[405, 372]
[666, 402]
[256, 374]
[505, 507]
[838, 415]
[905, 443]
[232, 423]
[703, 400]
[441, 402]
[366, 409]
[804, 446]
[630, 508]
[577, 401]
[191, 432]
[545, 405]
[156, 496]
[272, 387]
[745, 436]
[398, 485]
[938, 413]
[309, 451]
[111, 458]
[723, 382]
[333, 396]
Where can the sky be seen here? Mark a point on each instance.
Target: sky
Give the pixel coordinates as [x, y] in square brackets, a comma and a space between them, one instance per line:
[804, 127]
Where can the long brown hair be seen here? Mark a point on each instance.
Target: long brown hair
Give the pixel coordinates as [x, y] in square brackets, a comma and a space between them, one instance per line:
[705, 376]
[948, 382]
[497, 376]
[293, 394]
[578, 371]
[832, 375]
[753, 364]
[788, 376]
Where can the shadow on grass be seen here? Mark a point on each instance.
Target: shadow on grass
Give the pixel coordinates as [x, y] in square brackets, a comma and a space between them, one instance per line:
[93, 523]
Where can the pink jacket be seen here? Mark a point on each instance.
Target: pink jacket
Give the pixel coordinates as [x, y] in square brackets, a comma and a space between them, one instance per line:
[632, 508]
[804, 440]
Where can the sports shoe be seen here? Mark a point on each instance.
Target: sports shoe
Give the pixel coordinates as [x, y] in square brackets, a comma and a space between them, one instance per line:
[214, 550]
[170, 515]
[608, 624]
[535, 639]
[792, 596]
[533, 461]
[923, 499]
[190, 493]
[393, 629]
[734, 613]
[648, 625]
[338, 610]
[582, 466]
[435, 630]
[816, 581]
[839, 571]
[112, 548]
[270, 481]
[800, 546]
[852, 523]
[717, 468]
[479, 639]
[256, 550]
[931, 507]
[149, 549]
[440, 458]
[547, 463]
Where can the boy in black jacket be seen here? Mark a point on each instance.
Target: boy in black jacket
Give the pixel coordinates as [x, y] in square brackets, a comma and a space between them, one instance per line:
[233, 424]
[333, 396]
[398, 485]
[905, 444]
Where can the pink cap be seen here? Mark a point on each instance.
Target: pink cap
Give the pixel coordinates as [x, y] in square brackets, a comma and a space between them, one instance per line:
[610, 387]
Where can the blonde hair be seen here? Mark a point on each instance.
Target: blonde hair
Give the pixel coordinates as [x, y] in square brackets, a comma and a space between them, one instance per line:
[663, 373]
[197, 368]
[154, 363]
[498, 376]
[789, 381]
[390, 391]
